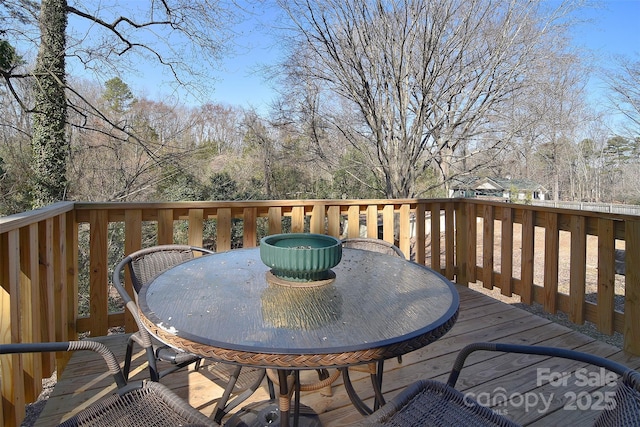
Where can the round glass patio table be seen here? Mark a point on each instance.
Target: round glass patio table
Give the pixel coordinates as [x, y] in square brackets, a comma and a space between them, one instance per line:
[224, 307]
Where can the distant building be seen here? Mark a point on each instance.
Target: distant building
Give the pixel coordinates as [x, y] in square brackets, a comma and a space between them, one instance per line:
[498, 188]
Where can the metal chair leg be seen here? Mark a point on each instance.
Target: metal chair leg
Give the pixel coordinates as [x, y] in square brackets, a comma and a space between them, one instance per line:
[127, 359]
[224, 406]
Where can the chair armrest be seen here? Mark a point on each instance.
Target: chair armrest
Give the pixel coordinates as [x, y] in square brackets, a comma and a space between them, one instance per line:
[107, 355]
[618, 368]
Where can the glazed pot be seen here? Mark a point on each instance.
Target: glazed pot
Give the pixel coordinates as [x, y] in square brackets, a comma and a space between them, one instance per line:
[301, 257]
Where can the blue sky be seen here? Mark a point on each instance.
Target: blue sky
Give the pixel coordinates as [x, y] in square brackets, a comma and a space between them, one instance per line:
[611, 30]
[239, 80]
[614, 29]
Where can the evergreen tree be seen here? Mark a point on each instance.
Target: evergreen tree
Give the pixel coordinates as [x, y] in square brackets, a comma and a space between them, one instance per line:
[118, 95]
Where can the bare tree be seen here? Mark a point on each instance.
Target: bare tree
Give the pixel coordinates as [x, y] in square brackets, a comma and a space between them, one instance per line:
[217, 126]
[107, 164]
[261, 140]
[184, 38]
[556, 108]
[623, 82]
[425, 77]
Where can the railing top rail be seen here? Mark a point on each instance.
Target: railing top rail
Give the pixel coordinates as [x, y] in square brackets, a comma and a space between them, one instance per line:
[252, 203]
[560, 210]
[19, 220]
[13, 222]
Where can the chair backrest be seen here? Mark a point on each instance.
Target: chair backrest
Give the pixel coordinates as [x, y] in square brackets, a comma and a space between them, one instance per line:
[624, 409]
[374, 245]
[146, 264]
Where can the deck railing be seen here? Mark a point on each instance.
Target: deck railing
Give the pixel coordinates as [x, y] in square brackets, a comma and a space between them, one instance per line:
[43, 253]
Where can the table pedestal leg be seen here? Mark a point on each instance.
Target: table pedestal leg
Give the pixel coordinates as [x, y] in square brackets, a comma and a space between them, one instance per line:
[278, 413]
[284, 396]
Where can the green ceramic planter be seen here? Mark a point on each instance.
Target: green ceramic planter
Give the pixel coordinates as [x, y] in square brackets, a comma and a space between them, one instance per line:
[301, 257]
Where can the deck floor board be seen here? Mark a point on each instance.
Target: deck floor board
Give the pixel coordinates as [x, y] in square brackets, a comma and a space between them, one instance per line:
[481, 319]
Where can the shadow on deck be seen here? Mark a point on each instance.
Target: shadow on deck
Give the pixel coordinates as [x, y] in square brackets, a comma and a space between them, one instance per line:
[487, 375]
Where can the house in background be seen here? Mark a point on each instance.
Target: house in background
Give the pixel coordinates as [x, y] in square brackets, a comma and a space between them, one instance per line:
[506, 189]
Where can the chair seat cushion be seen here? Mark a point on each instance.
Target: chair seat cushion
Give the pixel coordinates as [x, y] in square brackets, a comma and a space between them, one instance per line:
[152, 405]
[431, 403]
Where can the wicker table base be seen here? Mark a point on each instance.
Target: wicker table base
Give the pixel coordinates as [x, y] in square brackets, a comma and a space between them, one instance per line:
[264, 413]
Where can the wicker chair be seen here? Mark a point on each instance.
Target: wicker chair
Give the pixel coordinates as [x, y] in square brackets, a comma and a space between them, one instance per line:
[428, 402]
[143, 403]
[144, 265]
[374, 245]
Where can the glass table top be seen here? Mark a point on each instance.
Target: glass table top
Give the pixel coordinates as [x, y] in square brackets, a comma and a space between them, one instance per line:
[225, 301]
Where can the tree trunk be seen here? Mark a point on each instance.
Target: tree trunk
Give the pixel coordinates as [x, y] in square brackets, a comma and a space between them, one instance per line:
[48, 141]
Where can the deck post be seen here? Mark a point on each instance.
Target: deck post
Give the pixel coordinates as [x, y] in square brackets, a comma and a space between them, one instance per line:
[462, 237]
[632, 289]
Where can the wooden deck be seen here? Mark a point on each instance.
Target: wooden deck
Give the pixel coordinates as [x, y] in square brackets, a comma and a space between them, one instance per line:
[481, 319]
